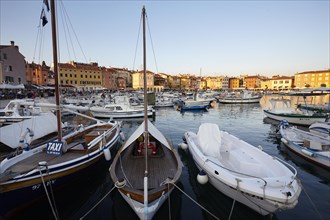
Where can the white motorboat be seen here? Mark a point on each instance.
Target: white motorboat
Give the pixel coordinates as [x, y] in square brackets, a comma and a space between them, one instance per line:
[311, 146]
[281, 109]
[243, 172]
[120, 108]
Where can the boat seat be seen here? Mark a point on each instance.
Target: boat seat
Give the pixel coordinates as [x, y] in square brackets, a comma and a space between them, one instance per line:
[243, 164]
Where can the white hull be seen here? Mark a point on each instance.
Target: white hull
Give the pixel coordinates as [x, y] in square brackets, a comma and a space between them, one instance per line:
[312, 147]
[294, 118]
[240, 101]
[132, 114]
[246, 174]
[153, 206]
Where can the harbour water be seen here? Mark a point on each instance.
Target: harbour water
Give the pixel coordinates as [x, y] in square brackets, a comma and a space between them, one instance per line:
[93, 196]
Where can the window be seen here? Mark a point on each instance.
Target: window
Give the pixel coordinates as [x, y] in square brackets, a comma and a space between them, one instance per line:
[5, 56]
[10, 68]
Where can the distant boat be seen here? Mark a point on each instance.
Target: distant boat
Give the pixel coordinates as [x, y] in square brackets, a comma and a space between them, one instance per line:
[241, 171]
[120, 108]
[31, 173]
[147, 166]
[192, 105]
[245, 97]
[321, 129]
[293, 116]
[16, 111]
[309, 145]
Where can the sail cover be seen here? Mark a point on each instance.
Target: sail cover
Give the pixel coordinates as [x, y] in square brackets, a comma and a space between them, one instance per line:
[152, 130]
[40, 125]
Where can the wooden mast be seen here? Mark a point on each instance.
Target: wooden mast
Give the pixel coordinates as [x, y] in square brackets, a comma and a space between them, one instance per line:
[57, 92]
[146, 135]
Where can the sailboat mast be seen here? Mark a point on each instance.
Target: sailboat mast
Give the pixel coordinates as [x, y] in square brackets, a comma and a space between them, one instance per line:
[57, 93]
[146, 135]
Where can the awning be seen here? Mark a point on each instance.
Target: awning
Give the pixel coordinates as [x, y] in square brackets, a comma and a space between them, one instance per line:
[11, 86]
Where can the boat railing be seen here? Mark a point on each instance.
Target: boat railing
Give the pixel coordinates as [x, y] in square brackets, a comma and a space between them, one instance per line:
[290, 166]
[233, 171]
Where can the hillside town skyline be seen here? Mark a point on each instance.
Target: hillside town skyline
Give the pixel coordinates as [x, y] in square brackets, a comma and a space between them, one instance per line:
[16, 70]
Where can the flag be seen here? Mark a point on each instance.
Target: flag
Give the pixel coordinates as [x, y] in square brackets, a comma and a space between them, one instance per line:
[43, 17]
[47, 5]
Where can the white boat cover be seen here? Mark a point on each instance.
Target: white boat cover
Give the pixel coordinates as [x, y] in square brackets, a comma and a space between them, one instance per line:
[152, 130]
[209, 139]
[40, 125]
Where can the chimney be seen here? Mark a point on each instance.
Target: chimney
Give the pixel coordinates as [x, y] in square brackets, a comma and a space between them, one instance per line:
[12, 43]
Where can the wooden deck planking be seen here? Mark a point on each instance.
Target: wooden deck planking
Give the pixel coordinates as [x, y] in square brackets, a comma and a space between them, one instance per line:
[159, 169]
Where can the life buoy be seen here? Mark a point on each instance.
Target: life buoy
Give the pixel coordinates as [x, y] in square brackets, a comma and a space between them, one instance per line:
[152, 145]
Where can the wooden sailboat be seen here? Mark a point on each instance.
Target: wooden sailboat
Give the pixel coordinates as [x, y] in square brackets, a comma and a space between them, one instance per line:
[28, 175]
[146, 167]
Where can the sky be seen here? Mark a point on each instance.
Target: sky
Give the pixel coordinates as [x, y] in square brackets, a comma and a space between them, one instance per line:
[206, 38]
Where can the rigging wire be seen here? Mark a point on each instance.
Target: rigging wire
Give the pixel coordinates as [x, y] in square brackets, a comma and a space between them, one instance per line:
[137, 43]
[65, 30]
[68, 19]
[152, 45]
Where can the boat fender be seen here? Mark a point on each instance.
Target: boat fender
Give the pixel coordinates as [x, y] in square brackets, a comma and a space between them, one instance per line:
[26, 147]
[122, 136]
[284, 140]
[107, 154]
[184, 139]
[202, 177]
[311, 154]
[183, 146]
[120, 183]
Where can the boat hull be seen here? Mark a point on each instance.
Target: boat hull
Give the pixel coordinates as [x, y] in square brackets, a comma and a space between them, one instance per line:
[132, 114]
[246, 189]
[240, 101]
[17, 192]
[298, 119]
[311, 156]
[155, 202]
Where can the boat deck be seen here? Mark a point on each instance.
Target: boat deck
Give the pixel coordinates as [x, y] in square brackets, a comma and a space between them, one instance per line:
[161, 166]
[75, 150]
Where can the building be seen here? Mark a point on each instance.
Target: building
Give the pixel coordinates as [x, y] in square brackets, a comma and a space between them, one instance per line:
[252, 82]
[80, 75]
[12, 65]
[234, 83]
[282, 82]
[37, 74]
[138, 80]
[312, 79]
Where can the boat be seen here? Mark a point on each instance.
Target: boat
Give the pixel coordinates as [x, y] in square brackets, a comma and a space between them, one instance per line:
[147, 166]
[241, 171]
[16, 111]
[192, 105]
[281, 109]
[245, 97]
[311, 146]
[120, 108]
[321, 128]
[37, 173]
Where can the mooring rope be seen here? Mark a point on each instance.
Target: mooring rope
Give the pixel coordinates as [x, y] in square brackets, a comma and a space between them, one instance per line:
[195, 202]
[98, 202]
[48, 197]
[311, 201]
[169, 203]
